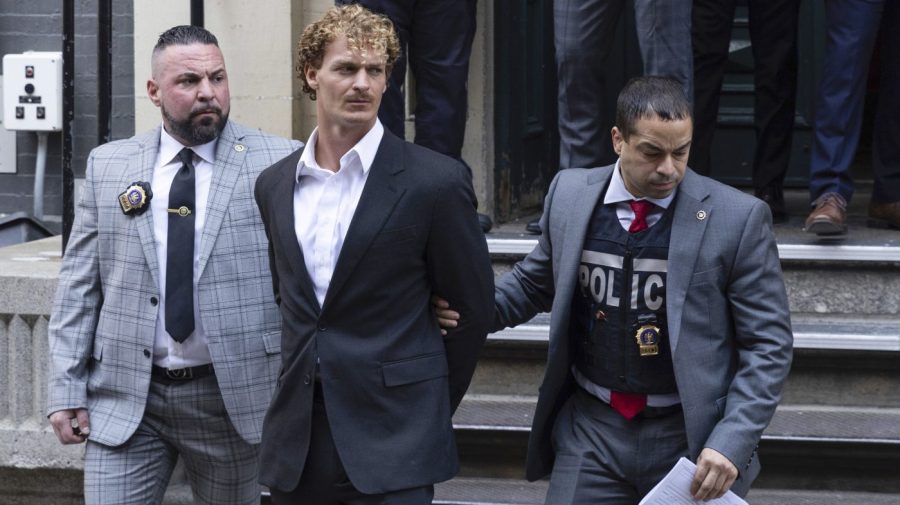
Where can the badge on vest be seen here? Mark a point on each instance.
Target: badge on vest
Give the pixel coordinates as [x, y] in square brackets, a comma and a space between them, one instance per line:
[647, 335]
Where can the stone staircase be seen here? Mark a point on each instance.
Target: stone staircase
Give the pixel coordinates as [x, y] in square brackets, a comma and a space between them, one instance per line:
[834, 439]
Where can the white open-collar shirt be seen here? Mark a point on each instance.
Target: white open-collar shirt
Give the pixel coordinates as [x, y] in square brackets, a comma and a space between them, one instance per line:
[194, 351]
[325, 201]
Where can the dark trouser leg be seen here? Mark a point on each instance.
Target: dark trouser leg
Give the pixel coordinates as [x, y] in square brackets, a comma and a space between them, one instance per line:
[773, 33]
[710, 35]
[439, 49]
[392, 111]
[324, 480]
[583, 33]
[886, 149]
[852, 26]
[664, 35]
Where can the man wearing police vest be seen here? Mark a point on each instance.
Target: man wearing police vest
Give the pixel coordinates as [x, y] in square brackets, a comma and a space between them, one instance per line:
[670, 333]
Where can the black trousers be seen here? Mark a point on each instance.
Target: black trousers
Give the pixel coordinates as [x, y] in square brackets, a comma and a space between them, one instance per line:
[773, 35]
[436, 39]
[886, 149]
[324, 481]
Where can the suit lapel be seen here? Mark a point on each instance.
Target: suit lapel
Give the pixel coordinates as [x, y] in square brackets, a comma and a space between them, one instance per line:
[230, 156]
[283, 206]
[379, 197]
[146, 159]
[581, 209]
[688, 225]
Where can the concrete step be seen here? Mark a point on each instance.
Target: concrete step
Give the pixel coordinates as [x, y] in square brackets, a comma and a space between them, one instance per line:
[856, 274]
[843, 289]
[805, 446]
[481, 491]
[796, 423]
[866, 246]
[838, 360]
[811, 331]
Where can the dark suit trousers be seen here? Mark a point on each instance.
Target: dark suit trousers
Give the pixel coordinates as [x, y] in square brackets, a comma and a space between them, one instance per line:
[886, 148]
[324, 481]
[584, 32]
[436, 38]
[852, 28]
[773, 34]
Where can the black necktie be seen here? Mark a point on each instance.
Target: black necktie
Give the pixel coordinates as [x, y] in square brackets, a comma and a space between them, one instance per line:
[180, 252]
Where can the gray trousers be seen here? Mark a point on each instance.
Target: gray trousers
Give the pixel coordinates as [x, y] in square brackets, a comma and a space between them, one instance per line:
[602, 458]
[583, 36]
[186, 419]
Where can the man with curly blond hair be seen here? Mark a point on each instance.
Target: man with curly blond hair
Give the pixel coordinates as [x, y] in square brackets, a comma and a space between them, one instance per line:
[362, 228]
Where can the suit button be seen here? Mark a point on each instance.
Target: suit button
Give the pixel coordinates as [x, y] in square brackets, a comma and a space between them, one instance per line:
[322, 328]
[307, 379]
[153, 301]
[146, 353]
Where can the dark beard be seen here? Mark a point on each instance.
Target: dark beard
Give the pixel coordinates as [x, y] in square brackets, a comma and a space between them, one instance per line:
[196, 133]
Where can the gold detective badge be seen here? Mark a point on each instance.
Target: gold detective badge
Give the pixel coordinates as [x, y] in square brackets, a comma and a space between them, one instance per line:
[647, 337]
[135, 198]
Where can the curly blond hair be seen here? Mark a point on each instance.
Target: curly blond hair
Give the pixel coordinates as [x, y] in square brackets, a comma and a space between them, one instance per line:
[363, 28]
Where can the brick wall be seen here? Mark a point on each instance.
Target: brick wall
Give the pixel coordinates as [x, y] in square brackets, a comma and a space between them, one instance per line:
[37, 25]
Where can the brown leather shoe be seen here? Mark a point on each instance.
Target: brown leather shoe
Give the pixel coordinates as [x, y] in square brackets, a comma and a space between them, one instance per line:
[829, 217]
[884, 215]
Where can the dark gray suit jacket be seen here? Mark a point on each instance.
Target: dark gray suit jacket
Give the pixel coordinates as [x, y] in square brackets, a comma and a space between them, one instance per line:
[728, 316]
[390, 381]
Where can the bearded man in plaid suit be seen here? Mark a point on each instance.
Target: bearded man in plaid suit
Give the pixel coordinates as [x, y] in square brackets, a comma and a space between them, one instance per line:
[164, 337]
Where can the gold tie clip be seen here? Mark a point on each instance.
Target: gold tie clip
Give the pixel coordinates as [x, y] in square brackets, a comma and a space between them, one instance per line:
[182, 211]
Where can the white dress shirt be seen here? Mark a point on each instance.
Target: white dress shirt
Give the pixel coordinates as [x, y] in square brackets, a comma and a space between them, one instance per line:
[194, 350]
[325, 201]
[618, 194]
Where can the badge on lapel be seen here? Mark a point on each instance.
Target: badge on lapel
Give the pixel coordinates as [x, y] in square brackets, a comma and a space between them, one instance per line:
[135, 198]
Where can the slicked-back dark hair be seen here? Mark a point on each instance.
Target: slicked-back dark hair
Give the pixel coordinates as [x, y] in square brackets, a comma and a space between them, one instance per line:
[184, 35]
[650, 97]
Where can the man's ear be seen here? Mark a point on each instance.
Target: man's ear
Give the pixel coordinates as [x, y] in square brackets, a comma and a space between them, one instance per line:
[617, 140]
[153, 92]
[312, 76]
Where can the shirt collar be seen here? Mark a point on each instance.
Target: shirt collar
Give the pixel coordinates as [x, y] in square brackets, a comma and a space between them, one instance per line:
[616, 192]
[169, 148]
[365, 150]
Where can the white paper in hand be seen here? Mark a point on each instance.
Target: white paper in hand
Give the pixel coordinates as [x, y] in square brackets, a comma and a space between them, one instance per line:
[675, 489]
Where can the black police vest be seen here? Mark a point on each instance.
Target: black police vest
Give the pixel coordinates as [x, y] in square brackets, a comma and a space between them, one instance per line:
[621, 299]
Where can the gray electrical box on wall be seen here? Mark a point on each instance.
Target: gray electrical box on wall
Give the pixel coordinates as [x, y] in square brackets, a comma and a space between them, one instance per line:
[32, 91]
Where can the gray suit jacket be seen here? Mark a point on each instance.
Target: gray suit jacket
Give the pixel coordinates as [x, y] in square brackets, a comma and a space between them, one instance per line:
[104, 314]
[728, 316]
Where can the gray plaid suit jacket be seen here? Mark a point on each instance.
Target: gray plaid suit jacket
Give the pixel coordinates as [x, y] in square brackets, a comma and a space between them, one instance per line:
[728, 318]
[104, 315]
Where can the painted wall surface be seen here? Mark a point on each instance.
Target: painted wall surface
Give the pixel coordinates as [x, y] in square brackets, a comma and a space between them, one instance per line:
[255, 39]
[37, 25]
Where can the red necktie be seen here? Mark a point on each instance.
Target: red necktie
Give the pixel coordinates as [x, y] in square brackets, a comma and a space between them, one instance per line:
[630, 404]
[627, 404]
[641, 208]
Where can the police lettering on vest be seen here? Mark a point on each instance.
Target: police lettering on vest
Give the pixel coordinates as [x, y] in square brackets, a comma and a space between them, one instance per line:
[619, 312]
